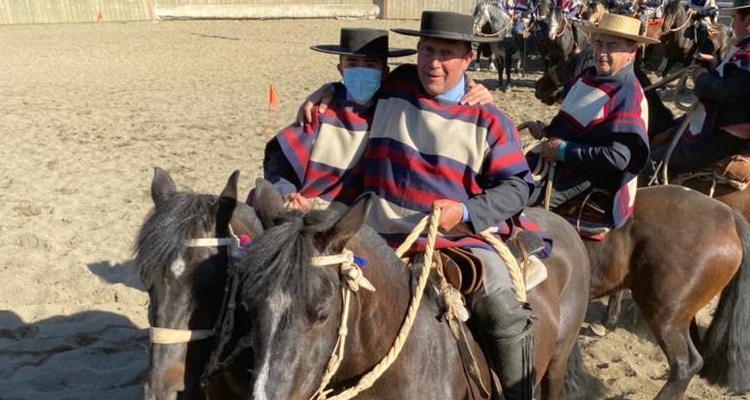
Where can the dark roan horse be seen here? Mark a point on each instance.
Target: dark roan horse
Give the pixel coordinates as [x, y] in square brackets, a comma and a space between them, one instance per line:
[184, 252]
[491, 20]
[680, 249]
[679, 47]
[557, 42]
[297, 309]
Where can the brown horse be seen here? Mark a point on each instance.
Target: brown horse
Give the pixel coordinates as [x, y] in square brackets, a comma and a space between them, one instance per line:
[680, 249]
[297, 298]
[673, 272]
[185, 254]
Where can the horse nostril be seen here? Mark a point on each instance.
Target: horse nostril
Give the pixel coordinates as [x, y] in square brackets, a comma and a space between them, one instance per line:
[165, 385]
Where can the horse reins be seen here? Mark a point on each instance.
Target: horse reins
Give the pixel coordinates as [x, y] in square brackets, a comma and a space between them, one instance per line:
[689, 15]
[368, 379]
[353, 279]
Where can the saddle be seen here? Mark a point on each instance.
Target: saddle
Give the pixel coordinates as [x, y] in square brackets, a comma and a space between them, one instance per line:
[590, 214]
[465, 271]
[733, 171]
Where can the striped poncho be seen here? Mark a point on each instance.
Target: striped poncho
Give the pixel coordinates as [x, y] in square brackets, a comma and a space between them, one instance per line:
[422, 149]
[597, 111]
[321, 159]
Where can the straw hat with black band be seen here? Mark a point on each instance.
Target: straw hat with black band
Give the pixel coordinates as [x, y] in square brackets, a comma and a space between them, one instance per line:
[363, 42]
[447, 25]
[737, 4]
[619, 26]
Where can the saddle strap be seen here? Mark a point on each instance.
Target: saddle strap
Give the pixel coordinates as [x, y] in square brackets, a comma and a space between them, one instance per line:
[467, 356]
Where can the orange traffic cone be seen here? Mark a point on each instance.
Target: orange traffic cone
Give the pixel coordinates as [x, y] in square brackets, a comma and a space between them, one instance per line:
[99, 17]
[273, 101]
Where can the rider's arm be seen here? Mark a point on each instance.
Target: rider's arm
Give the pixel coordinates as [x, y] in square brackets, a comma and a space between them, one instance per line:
[730, 88]
[611, 157]
[497, 203]
[277, 170]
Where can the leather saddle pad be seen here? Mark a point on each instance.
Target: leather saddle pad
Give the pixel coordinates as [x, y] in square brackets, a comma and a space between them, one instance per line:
[462, 269]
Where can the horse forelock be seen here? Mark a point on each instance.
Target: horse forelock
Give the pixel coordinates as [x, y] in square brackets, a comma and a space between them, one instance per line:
[279, 260]
[164, 234]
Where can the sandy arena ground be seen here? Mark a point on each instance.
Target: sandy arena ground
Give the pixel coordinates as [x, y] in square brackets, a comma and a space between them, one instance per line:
[89, 109]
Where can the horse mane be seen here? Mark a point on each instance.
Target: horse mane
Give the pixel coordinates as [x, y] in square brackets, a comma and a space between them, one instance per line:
[280, 257]
[163, 235]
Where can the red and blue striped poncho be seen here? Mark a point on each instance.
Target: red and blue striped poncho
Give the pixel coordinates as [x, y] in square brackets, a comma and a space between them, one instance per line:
[422, 149]
[597, 110]
[324, 155]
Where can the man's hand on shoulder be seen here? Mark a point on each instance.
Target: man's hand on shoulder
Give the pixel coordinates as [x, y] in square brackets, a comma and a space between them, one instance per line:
[477, 94]
[322, 97]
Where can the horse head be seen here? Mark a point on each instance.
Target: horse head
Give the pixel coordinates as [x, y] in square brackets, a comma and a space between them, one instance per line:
[549, 88]
[490, 19]
[556, 21]
[674, 14]
[311, 299]
[183, 252]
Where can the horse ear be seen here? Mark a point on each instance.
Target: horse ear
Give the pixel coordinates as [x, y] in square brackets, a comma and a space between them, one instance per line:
[230, 190]
[227, 204]
[162, 186]
[267, 202]
[348, 225]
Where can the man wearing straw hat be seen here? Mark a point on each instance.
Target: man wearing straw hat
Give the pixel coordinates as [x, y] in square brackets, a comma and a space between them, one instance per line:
[719, 126]
[427, 151]
[598, 140]
[316, 164]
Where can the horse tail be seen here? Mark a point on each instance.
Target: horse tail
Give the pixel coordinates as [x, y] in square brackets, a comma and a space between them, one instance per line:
[726, 348]
[578, 383]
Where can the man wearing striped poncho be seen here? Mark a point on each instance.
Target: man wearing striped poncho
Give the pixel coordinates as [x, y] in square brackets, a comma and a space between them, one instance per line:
[599, 140]
[427, 151]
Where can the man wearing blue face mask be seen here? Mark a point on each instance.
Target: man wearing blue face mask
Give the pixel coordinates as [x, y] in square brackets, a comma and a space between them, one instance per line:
[309, 175]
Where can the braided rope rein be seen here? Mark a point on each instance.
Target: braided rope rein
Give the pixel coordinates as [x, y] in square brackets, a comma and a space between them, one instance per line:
[367, 380]
[347, 266]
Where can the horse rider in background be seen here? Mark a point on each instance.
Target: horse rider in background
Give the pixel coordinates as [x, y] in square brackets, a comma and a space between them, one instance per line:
[571, 8]
[705, 14]
[523, 11]
[622, 7]
[719, 126]
[598, 142]
[648, 10]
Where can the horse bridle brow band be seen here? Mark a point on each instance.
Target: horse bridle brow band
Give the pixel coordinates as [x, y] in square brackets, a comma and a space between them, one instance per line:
[178, 336]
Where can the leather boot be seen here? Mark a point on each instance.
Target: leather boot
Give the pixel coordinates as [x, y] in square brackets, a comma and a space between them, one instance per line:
[506, 324]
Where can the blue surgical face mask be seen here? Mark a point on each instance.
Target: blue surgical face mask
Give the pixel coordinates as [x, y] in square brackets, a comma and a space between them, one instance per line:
[361, 83]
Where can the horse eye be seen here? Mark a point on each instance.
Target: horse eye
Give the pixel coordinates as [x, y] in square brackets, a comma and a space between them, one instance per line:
[318, 315]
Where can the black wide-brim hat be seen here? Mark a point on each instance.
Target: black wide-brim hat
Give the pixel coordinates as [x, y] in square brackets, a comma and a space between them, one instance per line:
[363, 42]
[737, 4]
[447, 25]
